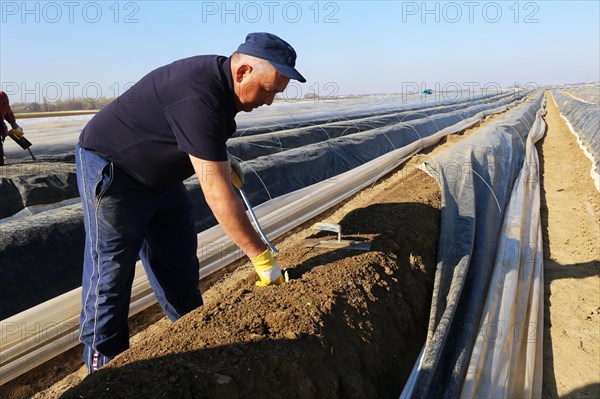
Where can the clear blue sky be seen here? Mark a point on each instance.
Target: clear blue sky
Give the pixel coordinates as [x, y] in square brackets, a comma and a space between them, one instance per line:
[345, 47]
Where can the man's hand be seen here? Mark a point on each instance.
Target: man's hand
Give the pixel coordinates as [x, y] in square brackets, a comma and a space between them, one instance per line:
[268, 269]
[237, 176]
[18, 131]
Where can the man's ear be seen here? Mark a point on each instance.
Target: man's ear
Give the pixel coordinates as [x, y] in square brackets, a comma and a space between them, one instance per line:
[242, 71]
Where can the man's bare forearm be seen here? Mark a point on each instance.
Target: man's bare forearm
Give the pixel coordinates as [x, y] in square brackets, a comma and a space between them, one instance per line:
[227, 207]
[232, 217]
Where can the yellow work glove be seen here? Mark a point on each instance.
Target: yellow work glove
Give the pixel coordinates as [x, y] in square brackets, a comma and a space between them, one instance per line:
[18, 131]
[267, 269]
[237, 176]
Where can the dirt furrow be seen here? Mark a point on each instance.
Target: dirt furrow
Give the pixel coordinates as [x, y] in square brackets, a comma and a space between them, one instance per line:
[571, 229]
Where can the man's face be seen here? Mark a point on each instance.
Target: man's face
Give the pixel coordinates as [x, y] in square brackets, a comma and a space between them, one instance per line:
[254, 88]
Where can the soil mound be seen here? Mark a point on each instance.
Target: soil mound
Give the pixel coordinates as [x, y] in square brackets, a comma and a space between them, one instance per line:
[347, 324]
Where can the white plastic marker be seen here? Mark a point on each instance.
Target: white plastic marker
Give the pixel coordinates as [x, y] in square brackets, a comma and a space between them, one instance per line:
[260, 230]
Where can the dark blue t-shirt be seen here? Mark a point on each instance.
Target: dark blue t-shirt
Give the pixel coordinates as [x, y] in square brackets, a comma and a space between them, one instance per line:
[186, 107]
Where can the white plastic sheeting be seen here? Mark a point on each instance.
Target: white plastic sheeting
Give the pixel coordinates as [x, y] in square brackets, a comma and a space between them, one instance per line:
[477, 322]
[507, 357]
[585, 93]
[583, 120]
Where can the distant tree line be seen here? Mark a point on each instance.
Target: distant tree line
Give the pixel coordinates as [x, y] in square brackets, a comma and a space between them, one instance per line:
[76, 104]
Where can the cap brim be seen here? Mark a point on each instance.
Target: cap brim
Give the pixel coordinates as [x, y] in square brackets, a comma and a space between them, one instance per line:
[288, 72]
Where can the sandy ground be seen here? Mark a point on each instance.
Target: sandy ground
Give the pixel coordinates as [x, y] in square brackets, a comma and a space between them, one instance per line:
[571, 358]
[570, 217]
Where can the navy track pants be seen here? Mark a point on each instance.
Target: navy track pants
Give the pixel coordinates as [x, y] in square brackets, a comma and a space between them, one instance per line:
[123, 220]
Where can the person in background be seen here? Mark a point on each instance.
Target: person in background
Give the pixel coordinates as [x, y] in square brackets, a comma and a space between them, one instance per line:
[7, 115]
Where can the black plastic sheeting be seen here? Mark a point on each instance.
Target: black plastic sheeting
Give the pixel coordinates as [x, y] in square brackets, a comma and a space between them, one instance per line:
[45, 253]
[476, 177]
[585, 119]
[31, 184]
[11, 201]
[41, 257]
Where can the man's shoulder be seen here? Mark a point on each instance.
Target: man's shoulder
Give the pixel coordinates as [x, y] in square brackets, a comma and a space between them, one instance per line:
[196, 63]
[186, 73]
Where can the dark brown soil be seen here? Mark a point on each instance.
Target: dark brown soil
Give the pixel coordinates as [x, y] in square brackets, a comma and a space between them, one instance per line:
[347, 324]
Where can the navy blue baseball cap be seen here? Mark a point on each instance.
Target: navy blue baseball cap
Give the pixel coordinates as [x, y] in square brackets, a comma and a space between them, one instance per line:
[273, 49]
